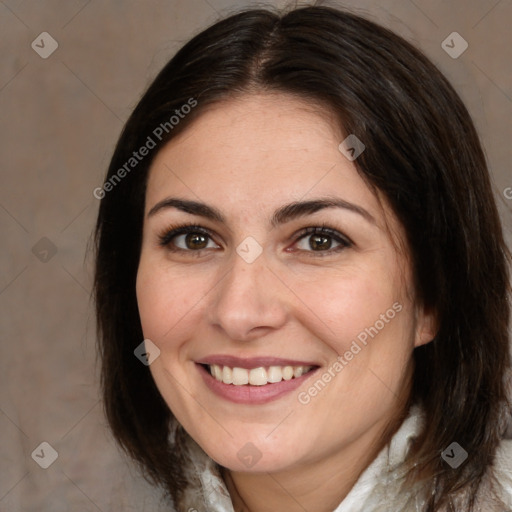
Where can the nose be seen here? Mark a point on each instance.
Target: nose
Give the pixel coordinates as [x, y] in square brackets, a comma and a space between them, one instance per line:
[249, 302]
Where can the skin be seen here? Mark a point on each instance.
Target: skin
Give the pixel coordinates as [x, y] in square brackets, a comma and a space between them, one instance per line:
[248, 157]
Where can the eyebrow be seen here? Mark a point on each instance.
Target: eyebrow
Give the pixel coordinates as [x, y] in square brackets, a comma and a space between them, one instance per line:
[282, 215]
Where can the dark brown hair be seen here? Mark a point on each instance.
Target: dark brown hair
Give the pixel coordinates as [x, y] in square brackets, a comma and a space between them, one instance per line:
[423, 155]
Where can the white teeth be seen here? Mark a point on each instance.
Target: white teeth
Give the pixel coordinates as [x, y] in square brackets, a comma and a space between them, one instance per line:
[287, 372]
[227, 375]
[240, 376]
[216, 371]
[256, 376]
[275, 374]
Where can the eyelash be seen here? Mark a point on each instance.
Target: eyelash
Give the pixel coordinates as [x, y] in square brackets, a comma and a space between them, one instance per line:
[165, 238]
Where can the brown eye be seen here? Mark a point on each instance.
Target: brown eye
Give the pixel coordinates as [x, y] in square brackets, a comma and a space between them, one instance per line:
[193, 241]
[196, 241]
[187, 238]
[322, 240]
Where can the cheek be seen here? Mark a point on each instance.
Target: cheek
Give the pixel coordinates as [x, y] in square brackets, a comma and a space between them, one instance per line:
[346, 306]
[167, 301]
[367, 324]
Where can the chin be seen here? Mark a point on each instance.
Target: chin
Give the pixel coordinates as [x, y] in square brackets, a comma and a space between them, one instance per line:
[252, 457]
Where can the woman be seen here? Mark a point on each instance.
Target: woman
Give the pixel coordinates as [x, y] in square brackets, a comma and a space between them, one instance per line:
[301, 280]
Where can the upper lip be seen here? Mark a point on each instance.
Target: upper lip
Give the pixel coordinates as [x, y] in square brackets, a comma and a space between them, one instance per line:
[251, 362]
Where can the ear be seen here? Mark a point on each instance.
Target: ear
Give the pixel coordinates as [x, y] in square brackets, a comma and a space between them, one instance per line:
[426, 326]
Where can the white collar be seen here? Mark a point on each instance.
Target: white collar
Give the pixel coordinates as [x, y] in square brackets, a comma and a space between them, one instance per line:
[213, 495]
[378, 489]
[362, 495]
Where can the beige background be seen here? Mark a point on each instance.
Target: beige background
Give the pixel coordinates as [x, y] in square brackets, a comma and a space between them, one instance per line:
[59, 120]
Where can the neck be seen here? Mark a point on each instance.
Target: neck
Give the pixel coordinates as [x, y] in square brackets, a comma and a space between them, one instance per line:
[320, 485]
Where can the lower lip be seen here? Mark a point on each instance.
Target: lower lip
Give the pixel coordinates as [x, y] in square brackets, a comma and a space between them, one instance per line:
[248, 394]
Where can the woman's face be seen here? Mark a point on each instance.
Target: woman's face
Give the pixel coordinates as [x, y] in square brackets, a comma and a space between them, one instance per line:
[291, 280]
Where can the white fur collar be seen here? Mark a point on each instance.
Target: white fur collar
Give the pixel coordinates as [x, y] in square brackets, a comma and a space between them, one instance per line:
[377, 489]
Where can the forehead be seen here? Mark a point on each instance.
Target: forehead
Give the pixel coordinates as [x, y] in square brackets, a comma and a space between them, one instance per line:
[257, 152]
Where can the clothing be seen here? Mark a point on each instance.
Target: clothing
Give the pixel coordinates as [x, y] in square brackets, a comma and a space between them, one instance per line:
[376, 490]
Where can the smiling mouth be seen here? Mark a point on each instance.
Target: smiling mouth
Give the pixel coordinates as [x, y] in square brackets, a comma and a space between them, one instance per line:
[256, 376]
